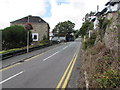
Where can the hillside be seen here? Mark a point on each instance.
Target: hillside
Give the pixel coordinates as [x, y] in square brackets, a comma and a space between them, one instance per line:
[100, 64]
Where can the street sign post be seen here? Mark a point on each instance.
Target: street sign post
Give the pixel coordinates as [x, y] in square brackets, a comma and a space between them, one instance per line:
[28, 26]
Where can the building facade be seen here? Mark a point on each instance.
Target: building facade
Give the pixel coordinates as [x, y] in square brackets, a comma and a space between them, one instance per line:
[40, 27]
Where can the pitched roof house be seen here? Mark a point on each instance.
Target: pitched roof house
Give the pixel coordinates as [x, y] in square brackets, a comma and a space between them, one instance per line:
[40, 27]
[113, 5]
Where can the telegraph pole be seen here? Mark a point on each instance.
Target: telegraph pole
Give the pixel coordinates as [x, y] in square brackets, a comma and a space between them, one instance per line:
[28, 36]
[97, 8]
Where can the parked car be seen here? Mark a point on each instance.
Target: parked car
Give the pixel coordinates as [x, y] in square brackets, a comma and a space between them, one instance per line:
[62, 39]
[55, 40]
[58, 39]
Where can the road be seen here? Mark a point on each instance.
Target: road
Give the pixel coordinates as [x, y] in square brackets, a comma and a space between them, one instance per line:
[51, 69]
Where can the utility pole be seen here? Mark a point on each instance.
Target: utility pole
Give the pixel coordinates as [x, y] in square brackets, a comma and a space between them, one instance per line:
[97, 8]
[28, 36]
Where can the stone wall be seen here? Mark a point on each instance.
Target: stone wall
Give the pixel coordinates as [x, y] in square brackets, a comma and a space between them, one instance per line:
[41, 29]
[111, 34]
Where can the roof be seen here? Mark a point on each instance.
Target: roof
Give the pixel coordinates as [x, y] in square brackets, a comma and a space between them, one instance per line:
[104, 10]
[98, 14]
[33, 19]
[112, 2]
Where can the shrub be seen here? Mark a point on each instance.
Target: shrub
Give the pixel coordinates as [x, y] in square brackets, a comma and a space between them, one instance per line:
[14, 37]
[118, 13]
[103, 23]
[89, 41]
[44, 37]
[109, 79]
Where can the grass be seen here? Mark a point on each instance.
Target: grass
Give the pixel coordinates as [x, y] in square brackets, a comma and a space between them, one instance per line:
[108, 79]
[118, 13]
[112, 30]
[106, 58]
[89, 42]
[117, 58]
[6, 51]
[117, 25]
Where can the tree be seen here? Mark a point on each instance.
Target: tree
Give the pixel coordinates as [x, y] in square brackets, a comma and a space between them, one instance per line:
[85, 28]
[63, 28]
[14, 37]
[88, 15]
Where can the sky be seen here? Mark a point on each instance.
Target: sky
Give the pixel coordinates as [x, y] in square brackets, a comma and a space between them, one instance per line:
[52, 11]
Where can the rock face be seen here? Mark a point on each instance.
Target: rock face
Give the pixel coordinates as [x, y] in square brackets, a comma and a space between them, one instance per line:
[112, 32]
[103, 57]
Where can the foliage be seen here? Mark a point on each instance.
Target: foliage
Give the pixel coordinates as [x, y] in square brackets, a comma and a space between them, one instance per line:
[85, 28]
[103, 23]
[88, 15]
[109, 79]
[62, 28]
[117, 25]
[15, 49]
[117, 58]
[89, 42]
[44, 37]
[118, 13]
[112, 30]
[44, 42]
[106, 57]
[14, 37]
[76, 35]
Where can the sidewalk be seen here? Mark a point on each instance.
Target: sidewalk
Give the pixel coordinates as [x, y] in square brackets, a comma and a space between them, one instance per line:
[22, 57]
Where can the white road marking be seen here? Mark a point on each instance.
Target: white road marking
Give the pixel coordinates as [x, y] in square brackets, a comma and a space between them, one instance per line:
[50, 56]
[65, 47]
[11, 77]
[56, 53]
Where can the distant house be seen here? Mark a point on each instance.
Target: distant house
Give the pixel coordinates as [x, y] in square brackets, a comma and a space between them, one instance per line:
[113, 5]
[40, 27]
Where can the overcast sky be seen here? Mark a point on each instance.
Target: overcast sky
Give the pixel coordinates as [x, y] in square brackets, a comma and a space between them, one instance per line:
[52, 11]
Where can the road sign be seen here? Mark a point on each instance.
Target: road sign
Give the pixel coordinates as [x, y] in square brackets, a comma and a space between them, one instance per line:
[28, 26]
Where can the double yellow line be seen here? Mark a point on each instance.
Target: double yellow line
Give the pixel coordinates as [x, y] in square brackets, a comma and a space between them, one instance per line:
[65, 78]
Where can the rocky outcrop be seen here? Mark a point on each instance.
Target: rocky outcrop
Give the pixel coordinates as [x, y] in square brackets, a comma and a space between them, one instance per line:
[103, 57]
[112, 32]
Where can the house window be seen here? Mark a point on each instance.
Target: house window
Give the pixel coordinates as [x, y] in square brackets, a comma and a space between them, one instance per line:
[35, 36]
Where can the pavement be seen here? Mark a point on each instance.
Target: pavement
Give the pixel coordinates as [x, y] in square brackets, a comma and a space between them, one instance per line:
[44, 69]
[15, 59]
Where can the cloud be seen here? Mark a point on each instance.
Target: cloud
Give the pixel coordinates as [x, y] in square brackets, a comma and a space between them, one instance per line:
[73, 10]
[65, 10]
[15, 9]
[53, 11]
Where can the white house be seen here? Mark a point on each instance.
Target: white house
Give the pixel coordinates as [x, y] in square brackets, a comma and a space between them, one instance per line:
[113, 5]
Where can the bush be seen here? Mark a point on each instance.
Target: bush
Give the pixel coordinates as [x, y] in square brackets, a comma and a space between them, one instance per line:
[89, 41]
[14, 37]
[109, 79]
[44, 37]
[85, 28]
[103, 23]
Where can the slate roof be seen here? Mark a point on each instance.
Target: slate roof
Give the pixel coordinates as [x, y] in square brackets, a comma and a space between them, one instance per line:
[112, 2]
[32, 19]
